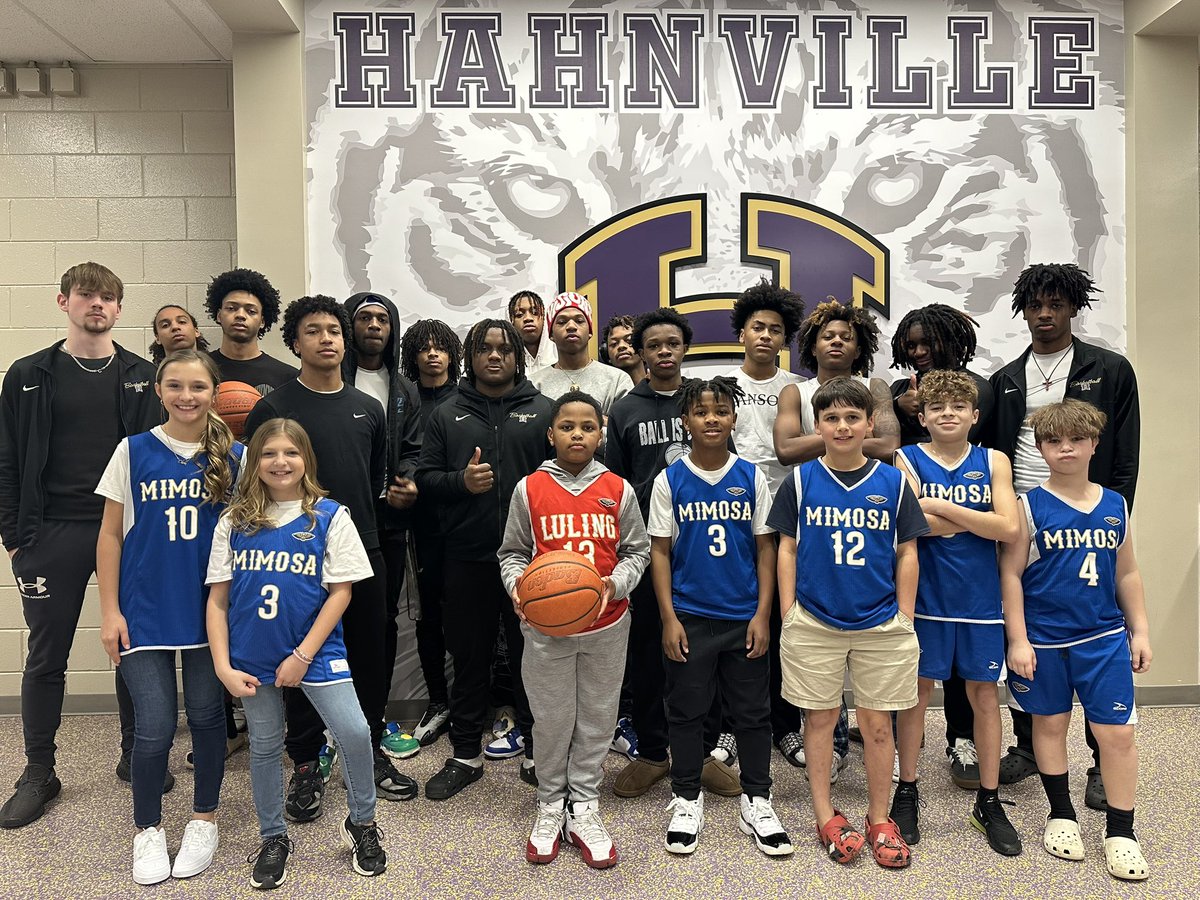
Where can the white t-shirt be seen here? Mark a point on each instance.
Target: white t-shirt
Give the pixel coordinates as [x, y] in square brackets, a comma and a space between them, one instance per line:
[376, 382]
[807, 390]
[345, 557]
[1029, 469]
[754, 433]
[115, 484]
[662, 518]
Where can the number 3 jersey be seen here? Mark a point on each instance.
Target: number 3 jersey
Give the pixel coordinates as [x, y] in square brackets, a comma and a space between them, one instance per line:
[712, 518]
[279, 580]
[168, 531]
[1070, 582]
[847, 526]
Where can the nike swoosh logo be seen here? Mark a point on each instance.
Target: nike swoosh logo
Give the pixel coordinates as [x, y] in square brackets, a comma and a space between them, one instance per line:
[1010, 390]
[30, 387]
[460, 418]
[360, 415]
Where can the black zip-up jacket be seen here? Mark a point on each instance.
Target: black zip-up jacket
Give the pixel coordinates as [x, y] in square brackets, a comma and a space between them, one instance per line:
[645, 435]
[1100, 377]
[404, 425]
[511, 433]
[25, 406]
[425, 519]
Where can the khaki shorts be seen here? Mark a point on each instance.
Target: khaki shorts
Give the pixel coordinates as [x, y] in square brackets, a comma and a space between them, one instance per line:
[814, 657]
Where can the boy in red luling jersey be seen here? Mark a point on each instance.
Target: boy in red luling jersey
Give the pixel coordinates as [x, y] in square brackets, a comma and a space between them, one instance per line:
[574, 503]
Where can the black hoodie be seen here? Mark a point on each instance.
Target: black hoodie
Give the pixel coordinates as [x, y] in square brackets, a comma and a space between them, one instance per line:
[645, 435]
[404, 426]
[511, 433]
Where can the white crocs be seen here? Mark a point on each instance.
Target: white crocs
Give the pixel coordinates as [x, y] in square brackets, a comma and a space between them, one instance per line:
[1124, 858]
[1062, 839]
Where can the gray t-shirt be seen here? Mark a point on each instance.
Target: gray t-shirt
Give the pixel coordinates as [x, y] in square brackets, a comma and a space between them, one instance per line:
[606, 383]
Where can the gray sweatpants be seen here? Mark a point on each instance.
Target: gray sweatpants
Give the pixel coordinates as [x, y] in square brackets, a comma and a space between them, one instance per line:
[574, 687]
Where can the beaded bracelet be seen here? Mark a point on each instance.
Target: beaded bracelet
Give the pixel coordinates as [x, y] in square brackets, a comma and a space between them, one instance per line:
[299, 654]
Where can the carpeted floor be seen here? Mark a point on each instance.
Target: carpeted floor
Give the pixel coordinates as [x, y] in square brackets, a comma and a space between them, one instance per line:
[472, 846]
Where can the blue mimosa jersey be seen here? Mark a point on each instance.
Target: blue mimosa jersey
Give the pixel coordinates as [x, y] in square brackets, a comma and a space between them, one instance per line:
[714, 568]
[1070, 583]
[275, 595]
[164, 556]
[960, 578]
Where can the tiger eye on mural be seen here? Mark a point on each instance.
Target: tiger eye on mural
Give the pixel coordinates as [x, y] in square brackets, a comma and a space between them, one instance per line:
[670, 154]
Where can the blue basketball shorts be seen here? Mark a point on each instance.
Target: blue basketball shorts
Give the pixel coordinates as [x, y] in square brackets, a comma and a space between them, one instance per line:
[1099, 670]
[974, 649]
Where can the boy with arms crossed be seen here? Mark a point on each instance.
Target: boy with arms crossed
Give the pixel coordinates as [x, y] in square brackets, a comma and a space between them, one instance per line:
[847, 586]
[967, 496]
[712, 563]
[1075, 613]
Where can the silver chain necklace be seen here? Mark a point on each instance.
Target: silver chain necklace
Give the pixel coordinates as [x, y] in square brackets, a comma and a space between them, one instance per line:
[85, 368]
[1049, 379]
[183, 460]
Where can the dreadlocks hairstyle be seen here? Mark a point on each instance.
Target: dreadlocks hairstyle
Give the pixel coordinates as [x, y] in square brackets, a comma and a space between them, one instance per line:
[1066, 419]
[614, 322]
[576, 397]
[662, 316]
[538, 306]
[157, 352]
[1064, 280]
[720, 386]
[420, 336]
[307, 306]
[474, 344]
[768, 296]
[866, 333]
[949, 332]
[254, 283]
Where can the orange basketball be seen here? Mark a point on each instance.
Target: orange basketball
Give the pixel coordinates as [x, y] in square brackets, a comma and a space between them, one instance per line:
[560, 593]
[234, 401]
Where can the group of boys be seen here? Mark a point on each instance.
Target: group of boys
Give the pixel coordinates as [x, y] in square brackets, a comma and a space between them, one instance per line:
[716, 666]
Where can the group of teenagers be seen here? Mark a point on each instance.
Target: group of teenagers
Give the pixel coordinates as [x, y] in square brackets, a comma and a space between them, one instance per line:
[759, 536]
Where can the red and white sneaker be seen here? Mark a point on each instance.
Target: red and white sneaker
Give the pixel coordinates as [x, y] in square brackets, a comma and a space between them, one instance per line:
[543, 843]
[586, 831]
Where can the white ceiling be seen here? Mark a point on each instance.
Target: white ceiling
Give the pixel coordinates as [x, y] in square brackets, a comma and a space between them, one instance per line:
[112, 31]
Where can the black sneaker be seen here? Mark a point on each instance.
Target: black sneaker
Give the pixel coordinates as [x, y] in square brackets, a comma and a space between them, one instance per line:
[125, 772]
[433, 724]
[905, 812]
[964, 764]
[855, 734]
[390, 784]
[36, 787]
[364, 840]
[305, 790]
[1017, 765]
[989, 817]
[453, 777]
[1094, 796]
[529, 773]
[270, 863]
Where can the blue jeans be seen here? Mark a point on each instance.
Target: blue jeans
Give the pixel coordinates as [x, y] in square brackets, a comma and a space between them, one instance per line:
[337, 705]
[150, 677]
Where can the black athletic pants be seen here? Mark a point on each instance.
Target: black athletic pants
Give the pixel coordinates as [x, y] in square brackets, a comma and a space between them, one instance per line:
[363, 631]
[960, 718]
[431, 641]
[393, 544]
[475, 607]
[717, 656]
[51, 577]
[646, 671]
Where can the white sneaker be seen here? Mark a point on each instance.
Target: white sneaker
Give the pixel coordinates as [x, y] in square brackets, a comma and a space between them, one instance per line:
[839, 762]
[196, 850]
[586, 831]
[151, 863]
[758, 820]
[542, 846]
[687, 821]
[896, 770]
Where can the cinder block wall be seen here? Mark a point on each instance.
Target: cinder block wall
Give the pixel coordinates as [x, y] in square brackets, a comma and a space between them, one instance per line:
[135, 173]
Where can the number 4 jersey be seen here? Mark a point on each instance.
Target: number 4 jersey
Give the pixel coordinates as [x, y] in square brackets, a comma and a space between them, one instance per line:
[1070, 582]
[279, 578]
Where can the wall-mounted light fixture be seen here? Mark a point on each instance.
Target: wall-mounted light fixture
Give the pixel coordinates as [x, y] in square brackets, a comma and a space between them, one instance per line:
[6, 82]
[29, 80]
[64, 81]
